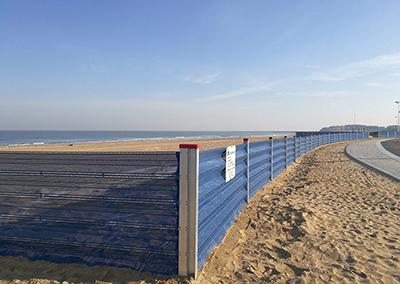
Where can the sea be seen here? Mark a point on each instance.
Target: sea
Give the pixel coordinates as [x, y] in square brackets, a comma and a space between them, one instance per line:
[12, 138]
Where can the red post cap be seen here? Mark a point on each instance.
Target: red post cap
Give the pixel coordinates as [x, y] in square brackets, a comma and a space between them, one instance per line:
[245, 140]
[189, 146]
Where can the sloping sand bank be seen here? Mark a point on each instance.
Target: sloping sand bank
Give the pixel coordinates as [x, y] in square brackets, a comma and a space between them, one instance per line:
[327, 219]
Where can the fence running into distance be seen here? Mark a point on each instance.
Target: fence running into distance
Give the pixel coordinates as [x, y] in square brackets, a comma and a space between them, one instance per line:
[389, 134]
[160, 212]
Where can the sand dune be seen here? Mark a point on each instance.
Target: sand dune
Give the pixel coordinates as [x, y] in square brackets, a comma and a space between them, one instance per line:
[326, 220]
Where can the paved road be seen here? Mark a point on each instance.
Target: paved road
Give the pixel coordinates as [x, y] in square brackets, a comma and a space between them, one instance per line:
[372, 154]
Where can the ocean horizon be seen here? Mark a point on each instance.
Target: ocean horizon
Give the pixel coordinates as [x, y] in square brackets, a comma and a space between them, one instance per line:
[38, 137]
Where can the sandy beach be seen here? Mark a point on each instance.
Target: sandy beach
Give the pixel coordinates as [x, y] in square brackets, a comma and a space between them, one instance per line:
[325, 220]
[133, 146]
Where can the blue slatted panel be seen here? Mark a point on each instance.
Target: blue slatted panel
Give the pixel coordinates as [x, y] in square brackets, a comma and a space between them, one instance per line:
[219, 202]
[309, 143]
[117, 209]
[279, 154]
[303, 141]
[291, 155]
[297, 146]
[315, 141]
[389, 134]
[260, 165]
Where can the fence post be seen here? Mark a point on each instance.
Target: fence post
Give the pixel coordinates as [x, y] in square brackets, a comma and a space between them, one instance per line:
[247, 147]
[271, 167]
[307, 143]
[286, 153]
[312, 141]
[188, 209]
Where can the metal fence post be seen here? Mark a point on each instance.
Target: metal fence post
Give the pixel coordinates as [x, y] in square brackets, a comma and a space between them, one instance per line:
[312, 141]
[247, 147]
[286, 153]
[188, 209]
[272, 158]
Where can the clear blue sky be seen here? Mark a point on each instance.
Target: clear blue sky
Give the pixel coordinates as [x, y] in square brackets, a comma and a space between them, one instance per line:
[198, 65]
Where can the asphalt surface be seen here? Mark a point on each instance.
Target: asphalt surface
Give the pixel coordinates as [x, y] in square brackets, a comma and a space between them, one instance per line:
[372, 154]
[392, 146]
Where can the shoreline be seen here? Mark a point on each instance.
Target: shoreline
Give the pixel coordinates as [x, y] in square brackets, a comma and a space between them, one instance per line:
[29, 138]
[134, 140]
[134, 145]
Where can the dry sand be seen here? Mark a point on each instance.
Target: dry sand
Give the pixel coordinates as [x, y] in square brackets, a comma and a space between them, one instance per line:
[132, 146]
[327, 219]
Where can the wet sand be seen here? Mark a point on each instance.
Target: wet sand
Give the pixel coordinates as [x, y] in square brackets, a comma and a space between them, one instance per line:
[327, 219]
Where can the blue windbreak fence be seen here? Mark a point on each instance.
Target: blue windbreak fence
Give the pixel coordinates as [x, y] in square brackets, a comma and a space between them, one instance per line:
[259, 165]
[124, 209]
[117, 209]
[390, 134]
[278, 157]
[290, 151]
[220, 202]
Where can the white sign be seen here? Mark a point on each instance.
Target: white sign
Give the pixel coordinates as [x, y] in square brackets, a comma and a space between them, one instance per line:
[230, 163]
